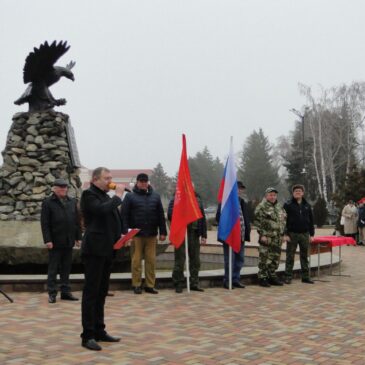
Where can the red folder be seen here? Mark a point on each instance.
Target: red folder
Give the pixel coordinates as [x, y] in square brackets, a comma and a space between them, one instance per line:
[123, 240]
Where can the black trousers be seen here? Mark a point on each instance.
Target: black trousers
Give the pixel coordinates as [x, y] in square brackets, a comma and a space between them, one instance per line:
[59, 261]
[194, 261]
[97, 274]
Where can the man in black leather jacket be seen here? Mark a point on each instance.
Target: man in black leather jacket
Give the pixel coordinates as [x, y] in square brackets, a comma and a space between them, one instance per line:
[143, 209]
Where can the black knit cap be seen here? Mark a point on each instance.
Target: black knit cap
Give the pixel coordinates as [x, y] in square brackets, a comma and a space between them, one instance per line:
[142, 177]
[60, 182]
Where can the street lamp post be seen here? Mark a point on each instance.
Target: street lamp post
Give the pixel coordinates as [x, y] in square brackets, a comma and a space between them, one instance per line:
[301, 116]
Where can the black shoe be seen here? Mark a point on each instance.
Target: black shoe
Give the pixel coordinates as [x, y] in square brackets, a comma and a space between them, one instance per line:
[91, 344]
[150, 290]
[196, 288]
[238, 285]
[264, 283]
[51, 298]
[287, 281]
[307, 281]
[107, 338]
[226, 286]
[179, 289]
[68, 296]
[137, 290]
[276, 282]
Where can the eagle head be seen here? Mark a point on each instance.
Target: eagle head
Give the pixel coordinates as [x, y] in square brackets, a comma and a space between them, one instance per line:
[65, 71]
[68, 74]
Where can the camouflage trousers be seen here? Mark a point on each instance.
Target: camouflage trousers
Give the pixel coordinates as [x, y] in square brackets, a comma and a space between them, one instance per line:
[269, 258]
[301, 239]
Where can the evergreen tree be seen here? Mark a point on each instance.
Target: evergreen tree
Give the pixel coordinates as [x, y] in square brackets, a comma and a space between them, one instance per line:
[320, 212]
[353, 188]
[294, 163]
[206, 174]
[160, 181]
[256, 167]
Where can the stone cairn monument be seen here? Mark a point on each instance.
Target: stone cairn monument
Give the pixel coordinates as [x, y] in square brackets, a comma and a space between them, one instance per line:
[37, 152]
[40, 147]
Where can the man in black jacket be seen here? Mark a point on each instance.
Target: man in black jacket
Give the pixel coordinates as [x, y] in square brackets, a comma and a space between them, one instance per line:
[61, 231]
[299, 230]
[197, 233]
[237, 258]
[143, 209]
[102, 229]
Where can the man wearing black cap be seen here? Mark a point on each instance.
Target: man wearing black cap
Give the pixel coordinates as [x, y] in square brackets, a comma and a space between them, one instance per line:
[143, 209]
[61, 231]
[238, 257]
[300, 231]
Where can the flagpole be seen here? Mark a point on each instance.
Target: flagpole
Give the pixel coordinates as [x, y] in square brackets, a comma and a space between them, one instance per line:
[187, 262]
[230, 268]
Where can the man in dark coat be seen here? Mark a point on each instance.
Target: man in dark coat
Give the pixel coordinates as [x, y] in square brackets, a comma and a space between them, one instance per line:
[102, 229]
[143, 209]
[197, 233]
[61, 231]
[299, 231]
[238, 258]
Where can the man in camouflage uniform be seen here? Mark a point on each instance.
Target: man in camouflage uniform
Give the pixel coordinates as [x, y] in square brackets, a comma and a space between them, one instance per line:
[270, 220]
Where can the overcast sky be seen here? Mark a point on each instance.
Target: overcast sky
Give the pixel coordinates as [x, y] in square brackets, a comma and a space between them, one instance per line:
[148, 71]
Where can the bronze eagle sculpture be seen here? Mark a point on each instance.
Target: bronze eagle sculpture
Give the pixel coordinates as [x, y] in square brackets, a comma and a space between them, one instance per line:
[40, 72]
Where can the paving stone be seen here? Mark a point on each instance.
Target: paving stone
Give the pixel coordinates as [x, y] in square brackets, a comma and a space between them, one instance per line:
[291, 325]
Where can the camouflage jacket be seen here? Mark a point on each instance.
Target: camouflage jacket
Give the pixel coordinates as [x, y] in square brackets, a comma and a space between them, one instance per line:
[270, 219]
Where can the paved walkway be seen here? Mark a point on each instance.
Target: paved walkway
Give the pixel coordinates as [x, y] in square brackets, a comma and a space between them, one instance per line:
[295, 325]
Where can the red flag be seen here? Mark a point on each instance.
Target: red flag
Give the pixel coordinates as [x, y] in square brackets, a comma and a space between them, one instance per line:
[186, 208]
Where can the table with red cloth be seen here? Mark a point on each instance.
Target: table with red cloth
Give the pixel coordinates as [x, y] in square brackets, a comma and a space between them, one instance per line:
[330, 242]
[333, 241]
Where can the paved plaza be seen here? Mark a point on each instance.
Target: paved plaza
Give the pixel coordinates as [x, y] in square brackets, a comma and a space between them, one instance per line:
[296, 324]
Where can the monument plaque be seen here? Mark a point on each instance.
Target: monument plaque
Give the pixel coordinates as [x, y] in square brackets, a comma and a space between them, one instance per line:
[74, 153]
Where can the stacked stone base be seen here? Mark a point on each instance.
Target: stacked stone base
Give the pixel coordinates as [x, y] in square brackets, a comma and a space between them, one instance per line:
[22, 250]
[37, 152]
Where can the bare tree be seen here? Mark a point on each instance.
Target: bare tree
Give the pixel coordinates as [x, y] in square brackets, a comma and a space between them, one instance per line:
[335, 118]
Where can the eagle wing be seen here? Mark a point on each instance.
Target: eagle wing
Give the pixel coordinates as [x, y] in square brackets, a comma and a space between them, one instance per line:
[40, 62]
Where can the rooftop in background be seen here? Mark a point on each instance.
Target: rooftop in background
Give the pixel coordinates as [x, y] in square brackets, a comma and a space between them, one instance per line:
[127, 176]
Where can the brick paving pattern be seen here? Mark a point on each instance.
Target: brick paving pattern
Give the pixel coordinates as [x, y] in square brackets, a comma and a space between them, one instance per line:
[297, 324]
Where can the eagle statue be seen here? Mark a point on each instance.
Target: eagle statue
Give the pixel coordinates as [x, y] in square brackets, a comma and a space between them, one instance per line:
[40, 72]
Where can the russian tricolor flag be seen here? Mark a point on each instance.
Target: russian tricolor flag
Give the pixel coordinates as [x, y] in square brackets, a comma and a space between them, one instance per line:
[229, 228]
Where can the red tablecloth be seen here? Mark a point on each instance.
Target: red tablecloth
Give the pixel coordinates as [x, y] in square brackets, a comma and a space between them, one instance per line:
[333, 241]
